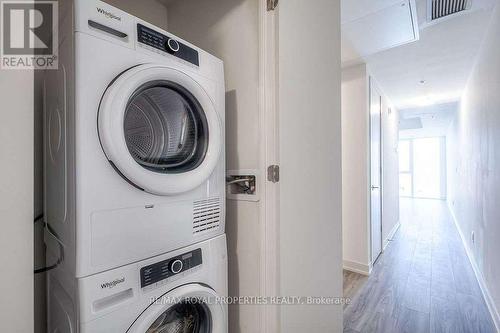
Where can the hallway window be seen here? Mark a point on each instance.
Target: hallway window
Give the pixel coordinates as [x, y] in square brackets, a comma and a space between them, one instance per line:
[405, 174]
[422, 167]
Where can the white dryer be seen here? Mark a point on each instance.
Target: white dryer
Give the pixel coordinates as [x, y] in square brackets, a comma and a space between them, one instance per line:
[183, 291]
[134, 123]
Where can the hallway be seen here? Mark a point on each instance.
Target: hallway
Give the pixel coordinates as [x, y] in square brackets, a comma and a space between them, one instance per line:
[423, 282]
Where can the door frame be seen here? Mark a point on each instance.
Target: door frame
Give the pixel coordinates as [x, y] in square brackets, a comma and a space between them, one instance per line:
[269, 155]
[371, 84]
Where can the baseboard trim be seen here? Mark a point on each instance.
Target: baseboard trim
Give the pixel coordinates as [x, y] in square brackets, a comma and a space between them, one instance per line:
[357, 267]
[391, 234]
[482, 284]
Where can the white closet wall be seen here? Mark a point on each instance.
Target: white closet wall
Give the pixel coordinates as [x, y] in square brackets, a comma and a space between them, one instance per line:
[16, 201]
[151, 11]
[229, 29]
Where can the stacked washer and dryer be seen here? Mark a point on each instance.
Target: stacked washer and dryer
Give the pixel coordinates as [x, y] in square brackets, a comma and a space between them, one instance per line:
[134, 178]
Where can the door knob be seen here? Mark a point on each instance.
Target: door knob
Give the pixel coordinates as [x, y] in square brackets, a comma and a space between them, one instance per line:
[374, 187]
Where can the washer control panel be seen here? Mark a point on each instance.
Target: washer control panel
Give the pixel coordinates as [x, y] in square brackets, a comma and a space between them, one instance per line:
[162, 42]
[155, 273]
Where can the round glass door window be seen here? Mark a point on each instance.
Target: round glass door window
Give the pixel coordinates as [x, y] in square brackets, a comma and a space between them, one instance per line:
[183, 318]
[165, 129]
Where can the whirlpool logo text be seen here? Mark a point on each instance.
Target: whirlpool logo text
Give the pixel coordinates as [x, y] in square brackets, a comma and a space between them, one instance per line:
[112, 284]
[108, 14]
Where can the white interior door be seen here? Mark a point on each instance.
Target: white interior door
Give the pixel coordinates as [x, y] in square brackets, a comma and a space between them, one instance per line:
[310, 197]
[375, 172]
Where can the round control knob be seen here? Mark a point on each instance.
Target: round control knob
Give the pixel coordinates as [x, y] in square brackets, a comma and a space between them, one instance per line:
[172, 45]
[176, 266]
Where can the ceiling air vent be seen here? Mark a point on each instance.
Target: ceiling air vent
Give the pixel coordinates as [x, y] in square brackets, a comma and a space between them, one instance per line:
[442, 8]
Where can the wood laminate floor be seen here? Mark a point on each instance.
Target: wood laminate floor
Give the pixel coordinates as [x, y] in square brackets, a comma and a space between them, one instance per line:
[423, 282]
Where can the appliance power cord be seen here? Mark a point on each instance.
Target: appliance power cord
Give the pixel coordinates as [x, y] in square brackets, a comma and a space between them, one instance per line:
[59, 260]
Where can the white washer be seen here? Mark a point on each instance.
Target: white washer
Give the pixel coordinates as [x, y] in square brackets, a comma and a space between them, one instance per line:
[134, 123]
[179, 292]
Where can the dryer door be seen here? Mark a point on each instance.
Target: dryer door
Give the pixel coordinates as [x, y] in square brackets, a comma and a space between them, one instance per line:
[159, 128]
[191, 308]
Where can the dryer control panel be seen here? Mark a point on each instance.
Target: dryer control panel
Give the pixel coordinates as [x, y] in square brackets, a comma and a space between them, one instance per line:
[156, 273]
[166, 44]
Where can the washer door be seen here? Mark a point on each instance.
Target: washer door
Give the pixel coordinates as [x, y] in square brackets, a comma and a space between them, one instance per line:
[160, 129]
[190, 308]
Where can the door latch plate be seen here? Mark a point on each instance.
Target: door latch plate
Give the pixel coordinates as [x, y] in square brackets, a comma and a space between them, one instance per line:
[273, 173]
[271, 4]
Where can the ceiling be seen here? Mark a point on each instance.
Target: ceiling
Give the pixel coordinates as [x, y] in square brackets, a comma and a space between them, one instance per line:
[370, 33]
[429, 71]
[428, 121]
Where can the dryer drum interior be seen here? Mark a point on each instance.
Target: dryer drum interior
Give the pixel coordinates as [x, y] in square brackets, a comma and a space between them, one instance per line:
[186, 317]
[165, 128]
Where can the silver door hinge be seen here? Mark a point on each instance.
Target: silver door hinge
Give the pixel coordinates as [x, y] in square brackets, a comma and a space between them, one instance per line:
[272, 4]
[273, 173]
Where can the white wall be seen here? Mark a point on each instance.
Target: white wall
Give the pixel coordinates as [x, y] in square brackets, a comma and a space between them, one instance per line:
[390, 170]
[356, 168]
[151, 11]
[474, 164]
[229, 29]
[16, 201]
[310, 159]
